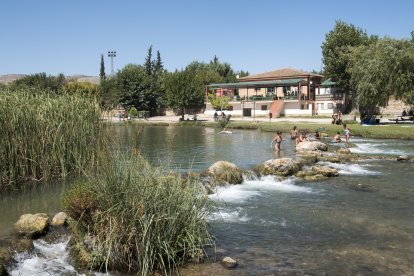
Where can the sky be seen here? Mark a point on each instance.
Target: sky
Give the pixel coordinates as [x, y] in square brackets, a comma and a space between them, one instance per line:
[69, 36]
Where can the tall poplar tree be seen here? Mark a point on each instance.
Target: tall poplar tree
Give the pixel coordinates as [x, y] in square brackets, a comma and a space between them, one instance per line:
[148, 65]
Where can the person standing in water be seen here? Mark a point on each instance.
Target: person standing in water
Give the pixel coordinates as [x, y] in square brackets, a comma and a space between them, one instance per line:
[294, 133]
[347, 133]
[277, 140]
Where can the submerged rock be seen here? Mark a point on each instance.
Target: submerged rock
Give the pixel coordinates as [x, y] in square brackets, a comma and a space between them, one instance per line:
[8, 247]
[344, 151]
[229, 262]
[32, 226]
[60, 219]
[311, 146]
[282, 166]
[223, 171]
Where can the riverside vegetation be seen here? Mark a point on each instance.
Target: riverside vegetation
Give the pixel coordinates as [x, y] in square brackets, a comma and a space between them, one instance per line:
[125, 214]
[46, 134]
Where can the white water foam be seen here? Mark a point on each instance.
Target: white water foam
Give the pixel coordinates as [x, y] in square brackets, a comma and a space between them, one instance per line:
[229, 215]
[376, 148]
[254, 187]
[350, 169]
[47, 259]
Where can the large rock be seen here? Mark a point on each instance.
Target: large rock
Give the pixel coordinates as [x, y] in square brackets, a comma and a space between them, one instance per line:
[32, 226]
[325, 171]
[403, 158]
[229, 262]
[282, 166]
[226, 171]
[60, 219]
[344, 151]
[311, 146]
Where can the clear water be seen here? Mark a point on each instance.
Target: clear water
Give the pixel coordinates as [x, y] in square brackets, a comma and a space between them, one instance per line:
[360, 223]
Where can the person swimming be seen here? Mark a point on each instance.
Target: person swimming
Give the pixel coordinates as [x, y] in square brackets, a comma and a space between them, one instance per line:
[224, 131]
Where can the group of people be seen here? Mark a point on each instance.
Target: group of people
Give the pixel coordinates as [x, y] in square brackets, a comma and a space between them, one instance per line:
[223, 116]
[409, 113]
[337, 118]
[302, 137]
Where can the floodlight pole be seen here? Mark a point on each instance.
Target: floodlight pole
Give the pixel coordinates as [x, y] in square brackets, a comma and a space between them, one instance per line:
[112, 54]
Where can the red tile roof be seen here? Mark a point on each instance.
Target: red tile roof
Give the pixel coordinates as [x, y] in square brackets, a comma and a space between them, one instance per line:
[280, 74]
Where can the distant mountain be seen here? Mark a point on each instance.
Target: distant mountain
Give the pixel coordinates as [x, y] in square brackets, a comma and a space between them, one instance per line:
[80, 78]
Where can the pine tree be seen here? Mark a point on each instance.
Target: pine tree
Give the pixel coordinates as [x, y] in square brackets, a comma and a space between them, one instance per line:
[102, 71]
[148, 65]
[158, 66]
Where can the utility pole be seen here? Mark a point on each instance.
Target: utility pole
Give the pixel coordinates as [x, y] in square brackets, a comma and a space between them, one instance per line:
[112, 54]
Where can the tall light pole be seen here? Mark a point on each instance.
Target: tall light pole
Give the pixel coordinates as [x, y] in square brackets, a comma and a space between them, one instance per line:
[112, 54]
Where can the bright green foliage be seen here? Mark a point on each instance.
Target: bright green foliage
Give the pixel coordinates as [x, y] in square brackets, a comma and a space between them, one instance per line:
[335, 52]
[133, 112]
[47, 134]
[102, 75]
[184, 90]
[383, 69]
[84, 88]
[219, 102]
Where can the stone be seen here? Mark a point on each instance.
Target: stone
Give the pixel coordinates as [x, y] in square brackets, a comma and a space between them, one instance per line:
[32, 226]
[344, 151]
[226, 171]
[325, 171]
[60, 219]
[403, 158]
[5, 259]
[281, 166]
[311, 146]
[229, 262]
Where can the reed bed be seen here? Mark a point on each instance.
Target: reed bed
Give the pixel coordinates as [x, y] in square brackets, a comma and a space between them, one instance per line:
[46, 134]
[145, 219]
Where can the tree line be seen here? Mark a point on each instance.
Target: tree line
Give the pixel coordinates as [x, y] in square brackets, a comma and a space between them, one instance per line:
[369, 68]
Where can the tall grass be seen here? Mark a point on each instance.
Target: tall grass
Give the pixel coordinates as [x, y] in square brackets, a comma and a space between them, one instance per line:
[147, 219]
[46, 134]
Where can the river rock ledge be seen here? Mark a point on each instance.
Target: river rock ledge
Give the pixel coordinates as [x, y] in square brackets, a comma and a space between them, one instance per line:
[223, 171]
[32, 225]
[281, 166]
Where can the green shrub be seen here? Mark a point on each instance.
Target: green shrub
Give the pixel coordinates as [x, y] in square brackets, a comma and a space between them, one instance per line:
[80, 202]
[133, 112]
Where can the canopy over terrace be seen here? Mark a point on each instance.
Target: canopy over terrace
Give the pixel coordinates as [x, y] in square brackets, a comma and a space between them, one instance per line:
[256, 84]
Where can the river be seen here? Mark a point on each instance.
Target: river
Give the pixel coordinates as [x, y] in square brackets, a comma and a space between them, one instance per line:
[360, 223]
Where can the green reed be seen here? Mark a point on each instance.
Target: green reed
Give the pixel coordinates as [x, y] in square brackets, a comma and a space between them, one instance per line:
[145, 218]
[46, 134]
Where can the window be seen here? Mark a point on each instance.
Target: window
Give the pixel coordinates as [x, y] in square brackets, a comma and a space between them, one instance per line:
[302, 106]
[257, 89]
[330, 105]
[270, 90]
[264, 107]
[320, 106]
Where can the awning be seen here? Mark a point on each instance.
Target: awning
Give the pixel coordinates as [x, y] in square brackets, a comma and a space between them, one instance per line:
[261, 84]
[328, 82]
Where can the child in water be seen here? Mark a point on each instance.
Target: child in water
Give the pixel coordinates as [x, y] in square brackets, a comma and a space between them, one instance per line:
[277, 140]
[337, 137]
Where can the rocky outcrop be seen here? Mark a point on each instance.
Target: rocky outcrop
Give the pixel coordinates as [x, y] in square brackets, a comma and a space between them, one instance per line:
[403, 158]
[311, 146]
[223, 171]
[32, 226]
[60, 219]
[229, 262]
[8, 247]
[282, 166]
[344, 151]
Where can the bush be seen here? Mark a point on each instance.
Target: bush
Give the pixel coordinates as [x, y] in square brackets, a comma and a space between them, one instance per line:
[133, 112]
[80, 202]
[147, 220]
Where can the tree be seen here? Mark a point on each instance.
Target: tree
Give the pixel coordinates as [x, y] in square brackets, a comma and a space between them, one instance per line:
[335, 52]
[102, 69]
[158, 66]
[148, 65]
[380, 70]
[134, 88]
[219, 102]
[184, 90]
[41, 81]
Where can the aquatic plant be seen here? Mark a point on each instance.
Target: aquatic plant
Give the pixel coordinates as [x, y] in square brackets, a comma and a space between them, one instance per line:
[146, 218]
[46, 134]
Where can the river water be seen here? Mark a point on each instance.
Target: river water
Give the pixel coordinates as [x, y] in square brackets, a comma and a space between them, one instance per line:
[360, 223]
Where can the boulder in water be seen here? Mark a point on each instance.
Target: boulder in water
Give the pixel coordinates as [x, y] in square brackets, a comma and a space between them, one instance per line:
[325, 171]
[403, 158]
[223, 171]
[32, 226]
[311, 146]
[344, 151]
[229, 262]
[60, 219]
[281, 166]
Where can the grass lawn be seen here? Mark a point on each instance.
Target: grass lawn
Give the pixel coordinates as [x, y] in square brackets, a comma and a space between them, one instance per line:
[391, 131]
